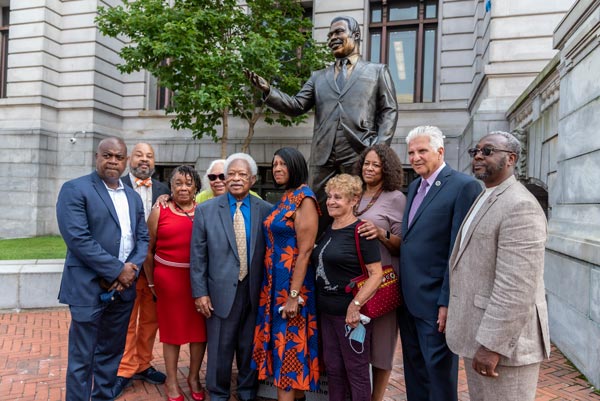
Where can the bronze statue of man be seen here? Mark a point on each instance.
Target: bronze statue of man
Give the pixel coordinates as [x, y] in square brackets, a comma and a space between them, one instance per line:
[355, 107]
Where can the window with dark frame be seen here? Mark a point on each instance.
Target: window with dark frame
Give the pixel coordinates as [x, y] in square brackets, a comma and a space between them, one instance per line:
[403, 35]
[164, 97]
[4, 24]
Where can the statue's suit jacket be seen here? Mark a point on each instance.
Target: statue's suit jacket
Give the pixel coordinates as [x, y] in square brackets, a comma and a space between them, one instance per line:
[366, 108]
[497, 296]
[427, 242]
[89, 225]
[214, 260]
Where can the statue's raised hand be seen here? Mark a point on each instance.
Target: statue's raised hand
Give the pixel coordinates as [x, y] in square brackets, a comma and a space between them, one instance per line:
[257, 81]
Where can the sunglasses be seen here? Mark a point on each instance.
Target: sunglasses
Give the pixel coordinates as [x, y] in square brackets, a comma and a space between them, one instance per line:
[486, 151]
[213, 177]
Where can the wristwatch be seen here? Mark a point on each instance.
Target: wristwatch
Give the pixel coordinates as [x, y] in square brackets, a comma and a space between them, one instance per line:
[294, 293]
[355, 302]
[388, 235]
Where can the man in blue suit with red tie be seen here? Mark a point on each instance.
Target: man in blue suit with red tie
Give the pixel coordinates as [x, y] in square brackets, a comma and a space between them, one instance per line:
[436, 205]
[102, 222]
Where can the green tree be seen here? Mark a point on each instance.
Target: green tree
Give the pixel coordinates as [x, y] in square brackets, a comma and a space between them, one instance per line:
[199, 49]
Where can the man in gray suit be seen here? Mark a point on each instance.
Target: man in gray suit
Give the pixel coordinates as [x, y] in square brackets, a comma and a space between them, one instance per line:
[227, 253]
[497, 315]
[355, 107]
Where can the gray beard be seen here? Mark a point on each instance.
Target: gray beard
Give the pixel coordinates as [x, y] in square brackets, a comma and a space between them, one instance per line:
[489, 170]
[141, 175]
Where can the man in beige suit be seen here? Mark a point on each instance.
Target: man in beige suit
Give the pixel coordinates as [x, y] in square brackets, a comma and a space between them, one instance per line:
[497, 314]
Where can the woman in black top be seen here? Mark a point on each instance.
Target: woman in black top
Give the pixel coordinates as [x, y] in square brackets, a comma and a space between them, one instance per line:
[335, 256]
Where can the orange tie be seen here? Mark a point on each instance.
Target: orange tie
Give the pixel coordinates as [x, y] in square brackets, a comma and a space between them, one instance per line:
[143, 183]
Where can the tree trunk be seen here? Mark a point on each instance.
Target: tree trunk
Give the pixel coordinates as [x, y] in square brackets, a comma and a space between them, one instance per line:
[251, 123]
[225, 136]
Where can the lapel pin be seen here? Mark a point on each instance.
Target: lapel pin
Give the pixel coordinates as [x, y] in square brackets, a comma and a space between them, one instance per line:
[437, 183]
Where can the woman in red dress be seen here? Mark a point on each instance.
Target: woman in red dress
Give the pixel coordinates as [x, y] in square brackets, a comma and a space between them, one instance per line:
[167, 267]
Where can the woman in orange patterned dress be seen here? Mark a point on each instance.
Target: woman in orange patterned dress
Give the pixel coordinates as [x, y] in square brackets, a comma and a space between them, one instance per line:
[285, 340]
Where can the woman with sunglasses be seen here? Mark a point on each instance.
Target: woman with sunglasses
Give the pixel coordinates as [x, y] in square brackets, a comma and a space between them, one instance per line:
[285, 339]
[213, 181]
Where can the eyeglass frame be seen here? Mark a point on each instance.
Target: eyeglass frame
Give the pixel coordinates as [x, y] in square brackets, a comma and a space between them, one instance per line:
[486, 151]
[213, 177]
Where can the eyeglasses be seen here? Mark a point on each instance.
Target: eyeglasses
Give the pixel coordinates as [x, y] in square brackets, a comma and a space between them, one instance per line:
[486, 151]
[213, 177]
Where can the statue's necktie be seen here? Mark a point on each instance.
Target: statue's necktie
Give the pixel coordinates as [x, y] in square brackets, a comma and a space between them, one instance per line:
[417, 200]
[239, 227]
[342, 74]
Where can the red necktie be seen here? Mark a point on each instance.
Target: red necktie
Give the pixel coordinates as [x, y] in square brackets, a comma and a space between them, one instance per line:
[143, 183]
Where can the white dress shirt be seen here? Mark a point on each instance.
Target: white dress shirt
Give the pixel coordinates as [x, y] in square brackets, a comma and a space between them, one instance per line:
[121, 204]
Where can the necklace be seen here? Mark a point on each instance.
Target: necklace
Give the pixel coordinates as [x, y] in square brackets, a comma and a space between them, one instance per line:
[371, 202]
[186, 212]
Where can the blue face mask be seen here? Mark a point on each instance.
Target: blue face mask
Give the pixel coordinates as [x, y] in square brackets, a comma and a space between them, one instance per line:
[357, 334]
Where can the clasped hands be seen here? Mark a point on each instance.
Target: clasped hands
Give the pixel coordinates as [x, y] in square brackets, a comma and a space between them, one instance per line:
[125, 279]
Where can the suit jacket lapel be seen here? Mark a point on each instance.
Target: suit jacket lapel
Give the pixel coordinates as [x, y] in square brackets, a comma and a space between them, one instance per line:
[227, 222]
[100, 187]
[479, 216]
[356, 72]
[330, 77]
[132, 211]
[439, 183]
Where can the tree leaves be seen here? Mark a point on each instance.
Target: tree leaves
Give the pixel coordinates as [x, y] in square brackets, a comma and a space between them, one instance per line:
[199, 48]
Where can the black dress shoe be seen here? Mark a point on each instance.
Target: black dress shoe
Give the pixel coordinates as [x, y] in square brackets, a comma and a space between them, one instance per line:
[121, 384]
[151, 376]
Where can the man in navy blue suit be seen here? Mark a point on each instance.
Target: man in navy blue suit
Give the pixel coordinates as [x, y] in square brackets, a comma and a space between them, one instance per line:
[436, 205]
[102, 222]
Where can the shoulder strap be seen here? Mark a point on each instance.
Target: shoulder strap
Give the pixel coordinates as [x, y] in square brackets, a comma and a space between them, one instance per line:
[358, 252]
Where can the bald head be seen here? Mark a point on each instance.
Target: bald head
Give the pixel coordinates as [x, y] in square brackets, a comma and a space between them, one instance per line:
[111, 158]
[141, 162]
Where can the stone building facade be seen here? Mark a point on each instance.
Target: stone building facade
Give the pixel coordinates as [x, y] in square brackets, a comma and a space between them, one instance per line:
[558, 116]
[467, 66]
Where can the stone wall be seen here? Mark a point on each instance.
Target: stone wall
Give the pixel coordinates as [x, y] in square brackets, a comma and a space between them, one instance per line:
[513, 45]
[574, 232]
[557, 116]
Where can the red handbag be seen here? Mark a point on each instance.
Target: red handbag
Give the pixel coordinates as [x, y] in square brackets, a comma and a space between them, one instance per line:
[387, 298]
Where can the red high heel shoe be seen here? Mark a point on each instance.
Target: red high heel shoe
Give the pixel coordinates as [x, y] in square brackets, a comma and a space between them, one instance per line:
[178, 398]
[199, 396]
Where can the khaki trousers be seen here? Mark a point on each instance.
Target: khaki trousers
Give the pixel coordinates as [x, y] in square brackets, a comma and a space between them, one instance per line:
[514, 383]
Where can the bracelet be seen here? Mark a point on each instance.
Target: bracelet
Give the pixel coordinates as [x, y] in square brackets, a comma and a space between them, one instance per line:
[150, 285]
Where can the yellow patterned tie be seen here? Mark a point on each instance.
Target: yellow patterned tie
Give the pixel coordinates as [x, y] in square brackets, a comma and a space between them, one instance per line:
[240, 238]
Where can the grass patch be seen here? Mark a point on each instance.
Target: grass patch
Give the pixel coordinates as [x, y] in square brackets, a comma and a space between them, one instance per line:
[48, 247]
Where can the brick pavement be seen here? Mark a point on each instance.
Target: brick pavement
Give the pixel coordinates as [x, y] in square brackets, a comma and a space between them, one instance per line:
[33, 360]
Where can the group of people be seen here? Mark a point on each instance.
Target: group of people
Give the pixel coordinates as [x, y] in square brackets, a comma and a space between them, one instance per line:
[268, 285]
